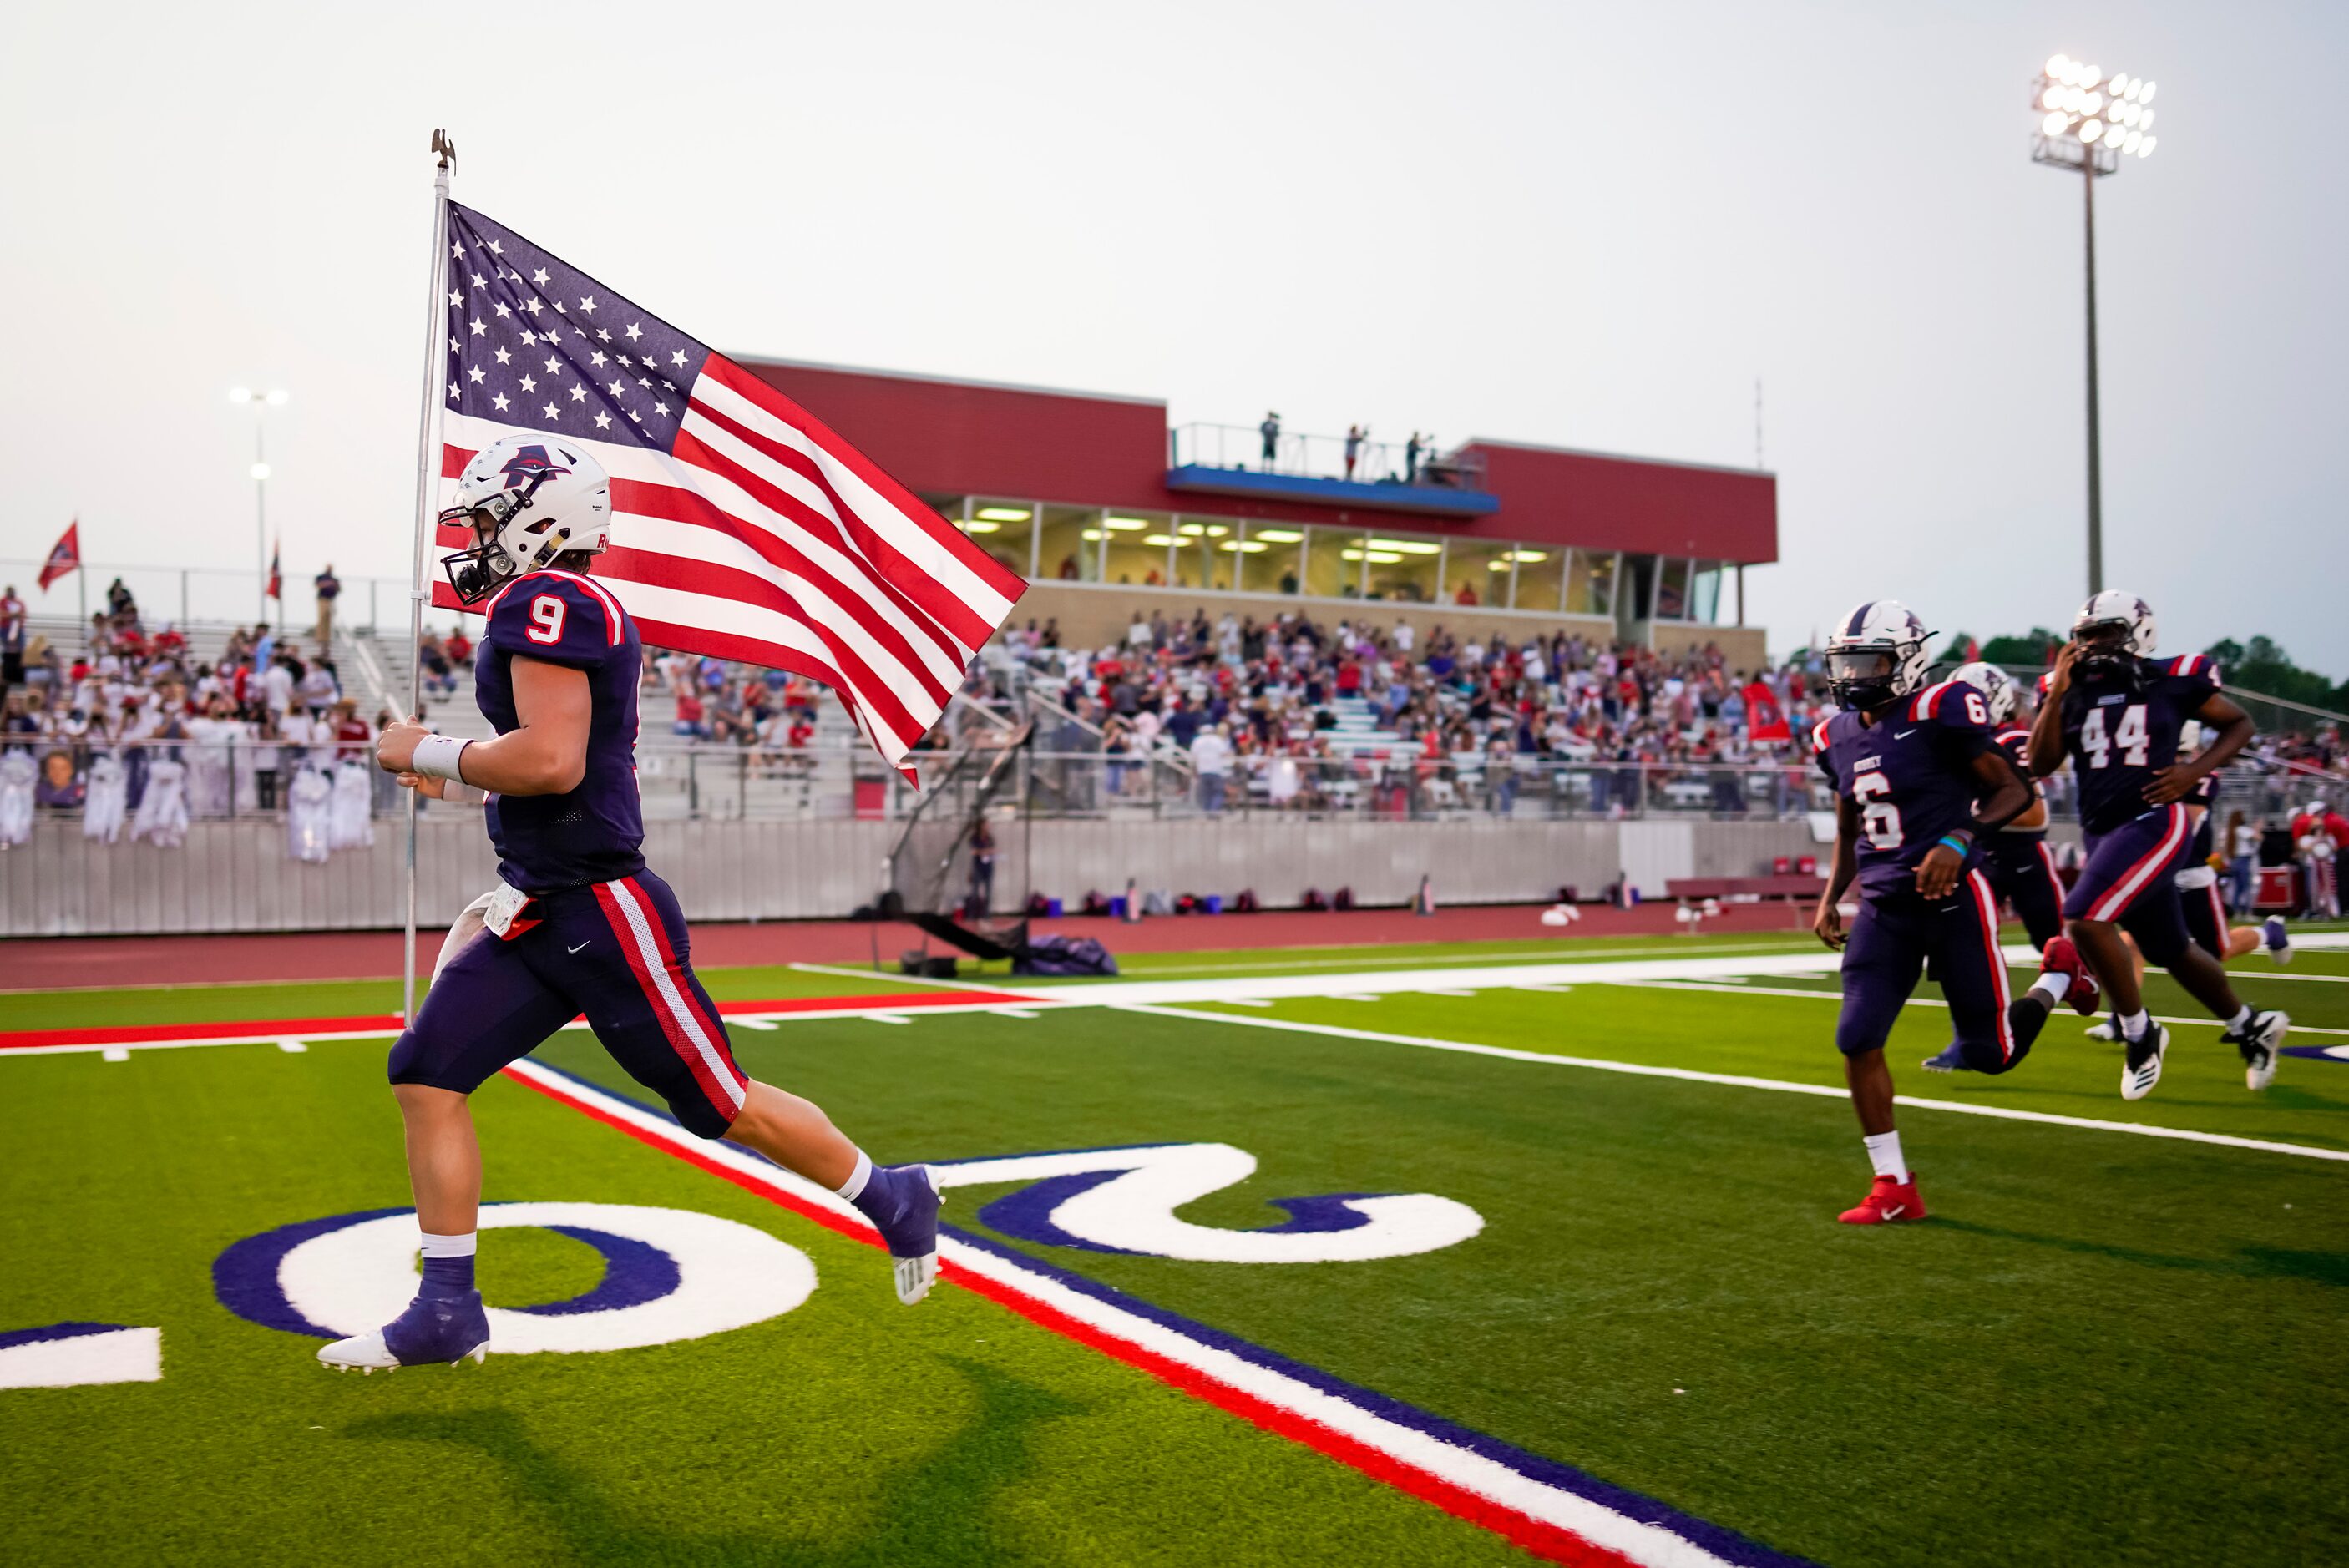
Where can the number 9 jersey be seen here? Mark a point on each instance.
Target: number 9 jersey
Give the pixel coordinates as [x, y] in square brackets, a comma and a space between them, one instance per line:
[595, 832]
[1911, 775]
[2121, 727]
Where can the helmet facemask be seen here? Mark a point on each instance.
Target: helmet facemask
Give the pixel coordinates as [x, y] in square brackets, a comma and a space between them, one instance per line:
[1865, 676]
[474, 574]
[2104, 648]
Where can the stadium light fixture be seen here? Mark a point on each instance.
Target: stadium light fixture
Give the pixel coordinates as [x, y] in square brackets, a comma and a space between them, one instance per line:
[1280, 535]
[1003, 515]
[1124, 524]
[261, 403]
[2090, 123]
[975, 526]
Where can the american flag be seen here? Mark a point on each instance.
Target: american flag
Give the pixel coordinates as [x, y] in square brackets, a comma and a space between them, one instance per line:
[741, 527]
[276, 589]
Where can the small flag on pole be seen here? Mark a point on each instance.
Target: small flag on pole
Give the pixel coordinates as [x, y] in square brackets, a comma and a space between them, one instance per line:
[1764, 719]
[277, 578]
[741, 527]
[65, 555]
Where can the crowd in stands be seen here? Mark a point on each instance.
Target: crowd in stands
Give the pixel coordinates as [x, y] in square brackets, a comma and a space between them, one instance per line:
[244, 720]
[1262, 698]
[1238, 704]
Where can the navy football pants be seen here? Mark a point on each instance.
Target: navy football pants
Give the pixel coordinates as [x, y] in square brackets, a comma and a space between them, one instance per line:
[1896, 934]
[2021, 871]
[2128, 879]
[616, 951]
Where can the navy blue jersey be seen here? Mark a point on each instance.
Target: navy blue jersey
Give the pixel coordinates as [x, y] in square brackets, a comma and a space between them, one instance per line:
[1911, 775]
[2015, 741]
[2120, 729]
[593, 833]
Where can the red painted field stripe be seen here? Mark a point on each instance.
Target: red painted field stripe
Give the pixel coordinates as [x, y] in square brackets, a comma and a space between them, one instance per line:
[1543, 1540]
[390, 1023]
[227, 1029]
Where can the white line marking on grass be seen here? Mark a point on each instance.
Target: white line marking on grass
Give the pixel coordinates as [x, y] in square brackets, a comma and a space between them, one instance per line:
[742, 1022]
[292, 1047]
[1011, 1011]
[894, 979]
[1361, 996]
[1913, 1001]
[1739, 1080]
[116, 1053]
[1444, 1471]
[886, 1018]
[1432, 992]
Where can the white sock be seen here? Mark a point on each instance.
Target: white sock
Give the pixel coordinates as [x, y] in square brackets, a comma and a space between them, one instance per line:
[463, 1246]
[1884, 1154]
[2240, 1019]
[2135, 1025]
[2052, 986]
[854, 1186]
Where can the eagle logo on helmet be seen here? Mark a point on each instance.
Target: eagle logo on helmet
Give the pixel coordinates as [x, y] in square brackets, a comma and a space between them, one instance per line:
[529, 467]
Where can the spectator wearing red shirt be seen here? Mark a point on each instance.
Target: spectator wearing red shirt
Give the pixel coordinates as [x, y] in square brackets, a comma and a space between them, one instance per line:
[353, 736]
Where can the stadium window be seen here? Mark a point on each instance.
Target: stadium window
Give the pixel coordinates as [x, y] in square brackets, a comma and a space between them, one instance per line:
[1541, 577]
[1006, 532]
[1271, 558]
[1069, 544]
[1403, 566]
[1590, 584]
[1705, 593]
[1672, 591]
[1201, 557]
[1333, 562]
[1639, 577]
[1476, 571]
[1138, 548]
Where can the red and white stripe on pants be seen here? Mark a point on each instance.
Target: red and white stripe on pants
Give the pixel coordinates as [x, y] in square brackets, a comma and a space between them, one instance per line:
[1985, 905]
[2138, 877]
[692, 1034]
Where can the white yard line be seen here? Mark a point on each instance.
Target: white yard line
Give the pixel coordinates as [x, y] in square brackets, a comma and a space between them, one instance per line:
[1913, 1001]
[1739, 1080]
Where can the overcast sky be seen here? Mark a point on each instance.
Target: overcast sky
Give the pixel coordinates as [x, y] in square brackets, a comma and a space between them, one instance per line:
[1587, 226]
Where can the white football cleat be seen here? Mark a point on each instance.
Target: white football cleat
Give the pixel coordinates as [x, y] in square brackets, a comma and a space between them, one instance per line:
[2260, 1043]
[2110, 1029]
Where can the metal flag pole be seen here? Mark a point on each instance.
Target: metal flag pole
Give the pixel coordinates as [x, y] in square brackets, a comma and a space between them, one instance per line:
[426, 468]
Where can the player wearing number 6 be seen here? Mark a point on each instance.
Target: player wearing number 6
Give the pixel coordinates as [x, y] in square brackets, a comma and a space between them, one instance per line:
[1919, 783]
[2117, 713]
[578, 923]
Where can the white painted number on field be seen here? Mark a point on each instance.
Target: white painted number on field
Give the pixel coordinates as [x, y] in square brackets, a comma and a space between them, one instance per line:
[1133, 1208]
[725, 1275]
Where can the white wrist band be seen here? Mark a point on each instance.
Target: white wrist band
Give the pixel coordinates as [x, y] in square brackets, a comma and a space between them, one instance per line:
[437, 757]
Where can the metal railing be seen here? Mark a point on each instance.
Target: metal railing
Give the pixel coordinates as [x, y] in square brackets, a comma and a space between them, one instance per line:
[1310, 456]
[220, 596]
[225, 778]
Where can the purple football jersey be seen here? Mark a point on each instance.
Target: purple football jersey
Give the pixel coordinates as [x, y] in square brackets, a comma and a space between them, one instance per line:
[593, 833]
[2120, 729]
[1911, 775]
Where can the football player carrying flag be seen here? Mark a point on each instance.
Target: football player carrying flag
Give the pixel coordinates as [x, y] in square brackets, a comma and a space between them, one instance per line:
[578, 923]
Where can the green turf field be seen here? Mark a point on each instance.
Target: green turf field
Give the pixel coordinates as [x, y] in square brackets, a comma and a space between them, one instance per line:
[2104, 1346]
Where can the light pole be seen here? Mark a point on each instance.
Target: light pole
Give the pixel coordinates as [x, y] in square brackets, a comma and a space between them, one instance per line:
[2091, 123]
[261, 402]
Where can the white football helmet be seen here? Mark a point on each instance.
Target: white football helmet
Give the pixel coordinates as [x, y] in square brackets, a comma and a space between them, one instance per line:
[2111, 627]
[2000, 694]
[528, 498]
[1876, 655]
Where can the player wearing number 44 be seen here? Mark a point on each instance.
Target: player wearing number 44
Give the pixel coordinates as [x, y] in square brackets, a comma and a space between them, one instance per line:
[2118, 712]
[578, 923]
[1919, 783]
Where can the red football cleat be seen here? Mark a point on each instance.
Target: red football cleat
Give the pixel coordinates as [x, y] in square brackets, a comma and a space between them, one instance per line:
[2060, 958]
[1890, 1201]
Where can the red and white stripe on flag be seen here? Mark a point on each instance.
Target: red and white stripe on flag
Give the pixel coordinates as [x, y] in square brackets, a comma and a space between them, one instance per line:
[767, 539]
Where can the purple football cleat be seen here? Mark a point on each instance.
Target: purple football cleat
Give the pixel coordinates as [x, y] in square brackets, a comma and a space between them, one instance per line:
[902, 1201]
[433, 1329]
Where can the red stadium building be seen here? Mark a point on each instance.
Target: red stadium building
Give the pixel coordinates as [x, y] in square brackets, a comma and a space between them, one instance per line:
[1111, 515]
